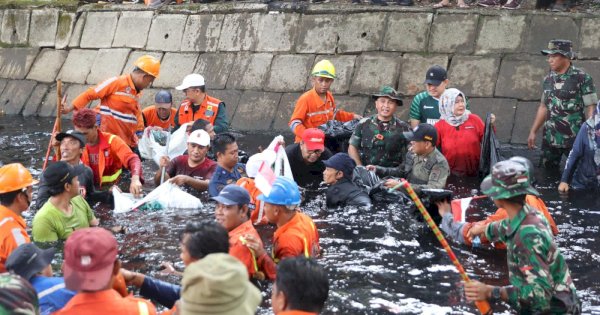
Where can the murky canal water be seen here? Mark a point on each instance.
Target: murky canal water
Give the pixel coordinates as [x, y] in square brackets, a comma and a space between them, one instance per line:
[380, 261]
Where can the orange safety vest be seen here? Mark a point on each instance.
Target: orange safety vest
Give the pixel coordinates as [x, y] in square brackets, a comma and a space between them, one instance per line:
[113, 154]
[152, 120]
[208, 110]
[258, 206]
[120, 112]
[297, 237]
[12, 234]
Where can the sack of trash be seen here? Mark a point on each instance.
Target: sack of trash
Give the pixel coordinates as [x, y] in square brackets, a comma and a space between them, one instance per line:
[153, 144]
[165, 196]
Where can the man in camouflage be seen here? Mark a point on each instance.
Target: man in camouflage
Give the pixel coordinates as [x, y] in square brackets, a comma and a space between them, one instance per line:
[379, 140]
[540, 279]
[425, 167]
[569, 95]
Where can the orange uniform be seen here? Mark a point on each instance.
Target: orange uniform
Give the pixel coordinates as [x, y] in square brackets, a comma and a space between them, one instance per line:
[240, 251]
[258, 206]
[106, 302]
[151, 118]
[12, 234]
[501, 214]
[119, 108]
[311, 112]
[297, 237]
[111, 155]
[208, 111]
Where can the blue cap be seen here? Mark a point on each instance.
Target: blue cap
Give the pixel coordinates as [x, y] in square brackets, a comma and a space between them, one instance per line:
[163, 96]
[341, 162]
[233, 194]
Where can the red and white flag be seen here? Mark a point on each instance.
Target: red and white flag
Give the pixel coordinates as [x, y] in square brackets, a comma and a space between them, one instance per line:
[265, 178]
[460, 206]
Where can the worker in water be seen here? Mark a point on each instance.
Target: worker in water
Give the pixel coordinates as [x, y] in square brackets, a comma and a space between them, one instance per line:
[199, 105]
[161, 114]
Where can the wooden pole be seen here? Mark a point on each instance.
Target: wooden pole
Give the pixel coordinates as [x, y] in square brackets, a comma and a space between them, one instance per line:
[57, 123]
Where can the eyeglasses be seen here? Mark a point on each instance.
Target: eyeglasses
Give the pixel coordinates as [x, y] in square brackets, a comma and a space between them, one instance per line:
[314, 152]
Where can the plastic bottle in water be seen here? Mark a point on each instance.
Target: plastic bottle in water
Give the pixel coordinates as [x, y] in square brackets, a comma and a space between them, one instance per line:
[476, 242]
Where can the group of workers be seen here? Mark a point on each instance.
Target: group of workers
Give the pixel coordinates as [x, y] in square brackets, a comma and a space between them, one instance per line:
[224, 256]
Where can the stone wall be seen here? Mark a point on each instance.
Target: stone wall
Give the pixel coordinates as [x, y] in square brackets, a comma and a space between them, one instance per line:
[258, 58]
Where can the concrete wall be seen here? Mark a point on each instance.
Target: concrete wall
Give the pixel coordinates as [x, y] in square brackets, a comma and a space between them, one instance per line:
[258, 59]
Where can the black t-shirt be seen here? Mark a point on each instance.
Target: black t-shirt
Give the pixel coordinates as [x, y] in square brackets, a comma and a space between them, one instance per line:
[306, 174]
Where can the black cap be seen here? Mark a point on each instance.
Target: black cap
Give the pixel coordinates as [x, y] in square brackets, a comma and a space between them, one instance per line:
[28, 259]
[341, 162]
[435, 75]
[73, 134]
[59, 173]
[423, 132]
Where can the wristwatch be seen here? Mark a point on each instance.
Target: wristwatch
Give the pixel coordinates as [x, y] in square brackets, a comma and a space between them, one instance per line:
[496, 294]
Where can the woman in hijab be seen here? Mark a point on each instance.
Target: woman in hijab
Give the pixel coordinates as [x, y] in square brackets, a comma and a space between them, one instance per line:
[582, 170]
[459, 134]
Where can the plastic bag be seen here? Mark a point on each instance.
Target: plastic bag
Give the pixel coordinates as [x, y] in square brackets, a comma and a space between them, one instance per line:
[165, 196]
[152, 144]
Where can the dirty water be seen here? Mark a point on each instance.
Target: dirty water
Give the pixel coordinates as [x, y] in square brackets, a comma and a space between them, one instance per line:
[380, 261]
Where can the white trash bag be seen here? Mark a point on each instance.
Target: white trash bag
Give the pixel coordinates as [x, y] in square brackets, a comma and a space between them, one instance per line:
[152, 145]
[165, 196]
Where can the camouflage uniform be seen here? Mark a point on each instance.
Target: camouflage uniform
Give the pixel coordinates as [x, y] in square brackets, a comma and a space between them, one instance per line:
[380, 143]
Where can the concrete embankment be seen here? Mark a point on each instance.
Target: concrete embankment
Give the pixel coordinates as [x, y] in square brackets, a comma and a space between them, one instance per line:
[257, 58]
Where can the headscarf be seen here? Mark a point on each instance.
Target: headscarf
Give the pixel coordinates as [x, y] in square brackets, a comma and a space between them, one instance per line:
[447, 103]
[594, 134]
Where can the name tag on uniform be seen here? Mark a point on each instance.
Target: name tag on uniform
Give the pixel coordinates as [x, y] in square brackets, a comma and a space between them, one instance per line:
[209, 113]
[559, 85]
[427, 107]
[432, 121]
[469, 127]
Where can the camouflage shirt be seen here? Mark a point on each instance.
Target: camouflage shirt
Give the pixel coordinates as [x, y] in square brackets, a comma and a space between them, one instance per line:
[565, 96]
[539, 277]
[380, 143]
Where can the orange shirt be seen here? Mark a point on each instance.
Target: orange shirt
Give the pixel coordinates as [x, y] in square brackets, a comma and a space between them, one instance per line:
[121, 113]
[256, 205]
[501, 214]
[151, 118]
[106, 302]
[311, 112]
[12, 234]
[297, 237]
[113, 155]
[240, 251]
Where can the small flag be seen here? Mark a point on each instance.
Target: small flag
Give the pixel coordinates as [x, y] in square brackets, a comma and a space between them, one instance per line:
[265, 178]
[459, 207]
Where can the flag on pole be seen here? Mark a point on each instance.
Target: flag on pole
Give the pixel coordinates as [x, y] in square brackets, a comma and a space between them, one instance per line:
[460, 206]
[265, 178]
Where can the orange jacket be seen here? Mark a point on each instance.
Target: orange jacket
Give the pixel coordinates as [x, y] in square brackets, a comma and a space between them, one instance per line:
[240, 251]
[501, 214]
[121, 113]
[208, 111]
[151, 118]
[297, 237]
[12, 234]
[106, 302]
[113, 155]
[256, 205]
[311, 112]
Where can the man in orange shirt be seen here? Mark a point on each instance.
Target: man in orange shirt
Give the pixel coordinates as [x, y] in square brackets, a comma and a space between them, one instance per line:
[233, 214]
[317, 106]
[106, 154]
[199, 105]
[120, 112]
[15, 197]
[90, 267]
[296, 233]
[161, 114]
[301, 287]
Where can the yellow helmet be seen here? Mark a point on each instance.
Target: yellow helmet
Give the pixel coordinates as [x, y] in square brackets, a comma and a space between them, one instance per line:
[324, 68]
[148, 64]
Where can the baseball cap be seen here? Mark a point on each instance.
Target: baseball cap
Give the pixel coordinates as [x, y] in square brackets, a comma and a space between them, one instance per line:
[199, 137]
[388, 91]
[17, 295]
[90, 254]
[233, 194]
[423, 132]
[314, 139]
[163, 97]
[59, 173]
[73, 134]
[435, 75]
[341, 162]
[560, 46]
[508, 179]
[28, 259]
[191, 80]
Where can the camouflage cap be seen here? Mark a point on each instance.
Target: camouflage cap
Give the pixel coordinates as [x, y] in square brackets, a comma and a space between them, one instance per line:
[388, 91]
[560, 46]
[17, 296]
[508, 179]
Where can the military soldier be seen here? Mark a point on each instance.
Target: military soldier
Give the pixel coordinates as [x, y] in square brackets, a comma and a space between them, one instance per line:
[540, 279]
[425, 167]
[378, 140]
[568, 91]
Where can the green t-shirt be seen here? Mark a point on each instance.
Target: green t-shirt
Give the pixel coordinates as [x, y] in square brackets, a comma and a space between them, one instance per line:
[425, 108]
[51, 224]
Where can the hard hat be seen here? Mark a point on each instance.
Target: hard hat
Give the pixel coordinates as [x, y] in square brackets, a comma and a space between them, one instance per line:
[148, 64]
[14, 177]
[285, 192]
[191, 80]
[324, 68]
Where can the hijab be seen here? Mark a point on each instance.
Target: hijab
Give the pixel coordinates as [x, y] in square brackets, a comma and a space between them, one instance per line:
[594, 134]
[447, 103]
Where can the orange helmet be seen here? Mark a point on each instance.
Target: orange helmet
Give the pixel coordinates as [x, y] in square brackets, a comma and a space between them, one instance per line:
[14, 177]
[148, 64]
